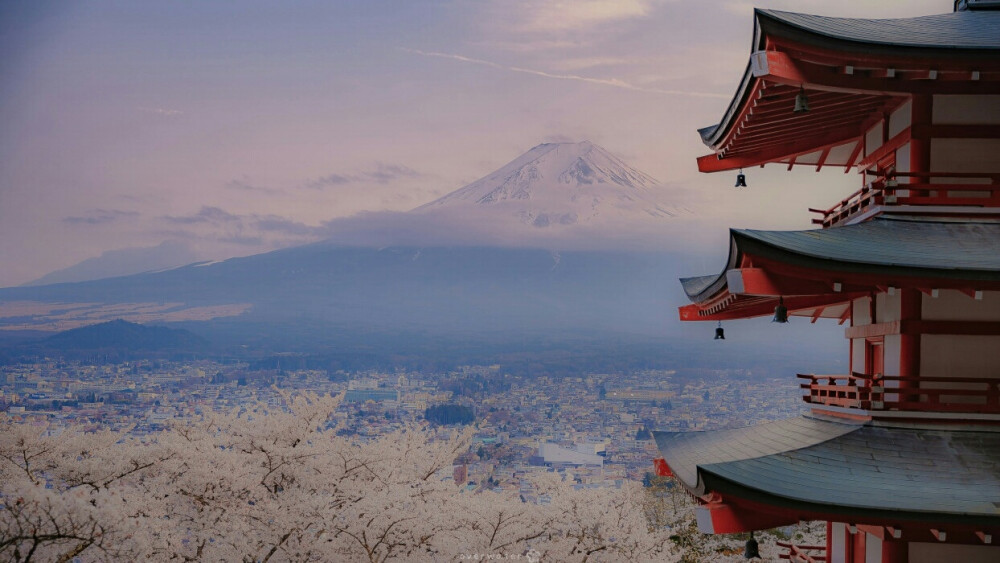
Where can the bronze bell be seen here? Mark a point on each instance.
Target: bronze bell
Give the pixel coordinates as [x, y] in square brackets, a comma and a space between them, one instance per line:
[719, 333]
[780, 312]
[741, 179]
[801, 101]
[751, 551]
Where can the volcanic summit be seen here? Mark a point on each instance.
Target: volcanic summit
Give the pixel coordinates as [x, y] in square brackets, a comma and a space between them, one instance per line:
[561, 184]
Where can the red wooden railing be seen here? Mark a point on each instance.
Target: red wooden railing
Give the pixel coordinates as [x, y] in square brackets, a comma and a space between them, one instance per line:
[883, 393]
[886, 190]
[803, 553]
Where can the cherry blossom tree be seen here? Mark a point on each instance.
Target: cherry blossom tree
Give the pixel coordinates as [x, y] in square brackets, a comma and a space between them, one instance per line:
[276, 483]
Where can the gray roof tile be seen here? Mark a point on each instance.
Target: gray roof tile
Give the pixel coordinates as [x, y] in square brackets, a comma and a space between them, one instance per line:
[963, 249]
[905, 469]
[957, 30]
[899, 242]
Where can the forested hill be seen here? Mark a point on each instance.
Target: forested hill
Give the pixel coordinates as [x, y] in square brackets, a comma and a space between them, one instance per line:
[121, 338]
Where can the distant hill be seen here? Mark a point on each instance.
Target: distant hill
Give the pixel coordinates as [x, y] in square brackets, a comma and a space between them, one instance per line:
[427, 308]
[123, 262]
[120, 337]
[452, 290]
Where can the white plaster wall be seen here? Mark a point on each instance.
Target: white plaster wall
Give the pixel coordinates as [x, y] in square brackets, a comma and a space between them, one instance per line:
[887, 307]
[858, 354]
[873, 138]
[891, 351]
[859, 317]
[961, 109]
[873, 548]
[945, 355]
[900, 119]
[838, 545]
[952, 305]
[860, 312]
[920, 552]
[903, 163]
[965, 155]
[809, 158]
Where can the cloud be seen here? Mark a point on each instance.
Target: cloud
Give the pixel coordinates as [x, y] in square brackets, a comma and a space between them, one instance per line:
[277, 224]
[245, 186]
[531, 46]
[100, 217]
[205, 215]
[162, 111]
[581, 63]
[483, 228]
[242, 240]
[385, 173]
[575, 15]
[214, 224]
[330, 180]
[381, 173]
[613, 82]
[557, 138]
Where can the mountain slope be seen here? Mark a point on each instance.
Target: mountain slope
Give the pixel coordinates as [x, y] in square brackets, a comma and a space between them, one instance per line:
[440, 289]
[561, 184]
[123, 262]
[123, 335]
[552, 197]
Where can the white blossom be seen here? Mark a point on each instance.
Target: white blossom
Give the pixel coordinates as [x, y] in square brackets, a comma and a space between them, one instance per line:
[265, 483]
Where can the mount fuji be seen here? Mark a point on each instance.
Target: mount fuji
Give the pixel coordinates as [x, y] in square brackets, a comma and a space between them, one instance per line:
[561, 184]
[547, 244]
[568, 196]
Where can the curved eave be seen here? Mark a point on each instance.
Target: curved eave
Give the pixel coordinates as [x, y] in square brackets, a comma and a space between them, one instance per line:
[712, 134]
[971, 34]
[875, 273]
[820, 54]
[887, 247]
[838, 468]
[816, 272]
[827, 510]
[703, 289]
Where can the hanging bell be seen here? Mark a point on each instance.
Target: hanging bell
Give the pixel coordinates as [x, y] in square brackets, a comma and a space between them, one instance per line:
[780, 312]
[801, 101]
[741, 179]
[720, 334]
[752, 551]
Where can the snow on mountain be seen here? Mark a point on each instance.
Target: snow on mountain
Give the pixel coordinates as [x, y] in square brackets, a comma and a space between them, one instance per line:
[561, 184]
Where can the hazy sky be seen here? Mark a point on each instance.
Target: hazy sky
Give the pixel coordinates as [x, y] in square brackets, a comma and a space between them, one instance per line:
[239, 127]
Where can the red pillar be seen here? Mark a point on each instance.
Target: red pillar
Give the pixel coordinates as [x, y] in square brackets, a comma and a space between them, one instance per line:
[920, 146]
[829, 540]
[857, 544]
[895, 551]
[909, 339]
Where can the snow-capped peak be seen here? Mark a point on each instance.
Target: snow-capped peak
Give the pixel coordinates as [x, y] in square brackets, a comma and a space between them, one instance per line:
[561, 183]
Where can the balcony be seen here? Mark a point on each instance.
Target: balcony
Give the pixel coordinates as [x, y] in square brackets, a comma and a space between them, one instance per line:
[978, 191]
[802, 553]
[895, 393]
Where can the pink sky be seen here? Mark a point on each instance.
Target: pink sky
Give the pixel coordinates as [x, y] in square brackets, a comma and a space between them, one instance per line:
[237, 128]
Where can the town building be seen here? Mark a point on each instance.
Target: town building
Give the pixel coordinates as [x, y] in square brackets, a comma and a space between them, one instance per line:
[901, 455]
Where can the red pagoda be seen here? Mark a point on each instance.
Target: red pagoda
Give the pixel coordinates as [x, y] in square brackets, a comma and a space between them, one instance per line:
[901, 455]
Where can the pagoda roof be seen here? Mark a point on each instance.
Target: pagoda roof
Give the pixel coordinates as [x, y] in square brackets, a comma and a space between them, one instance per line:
[852, 69]
[802, 266]
[957, 30]
[960, 248]
[825, 467]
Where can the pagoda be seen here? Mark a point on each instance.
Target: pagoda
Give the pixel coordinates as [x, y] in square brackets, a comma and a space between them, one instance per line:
[901, 455]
